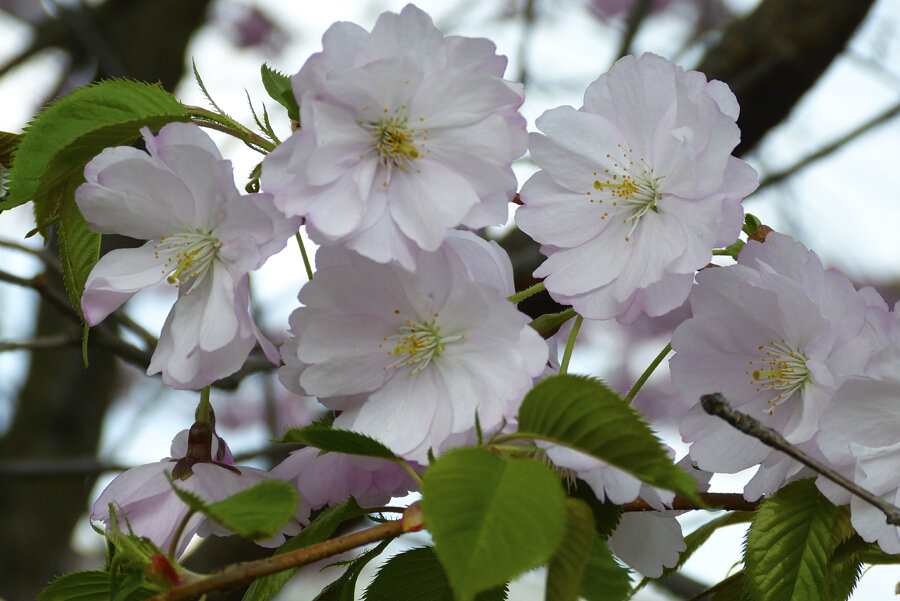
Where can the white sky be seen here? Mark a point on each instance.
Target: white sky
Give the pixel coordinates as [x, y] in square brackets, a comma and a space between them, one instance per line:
[846, 207]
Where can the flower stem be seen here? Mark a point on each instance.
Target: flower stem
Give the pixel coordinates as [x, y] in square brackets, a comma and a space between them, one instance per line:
[518, 297]
[570, 344]
[212, 120]
[409, 470]
[201, 415]
[179, 532]
[309, 271]
[644, 376]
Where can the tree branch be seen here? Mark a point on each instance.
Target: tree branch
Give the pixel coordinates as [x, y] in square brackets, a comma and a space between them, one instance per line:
[778, 176]
[716, 500]
[716, 404]
[241, 573]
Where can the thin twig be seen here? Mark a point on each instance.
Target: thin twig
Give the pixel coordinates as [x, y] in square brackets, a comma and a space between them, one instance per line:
[647, 373]
[639, 12]
[715, 500]
[778, 176]
[716, 404]
[41, 343]
[46, 258]
[241, 573]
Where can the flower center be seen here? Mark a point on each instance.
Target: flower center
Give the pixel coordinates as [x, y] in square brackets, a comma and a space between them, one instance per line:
[780, 369]
[188, 256]
[395, 142]
[416, 344]
[631, 188]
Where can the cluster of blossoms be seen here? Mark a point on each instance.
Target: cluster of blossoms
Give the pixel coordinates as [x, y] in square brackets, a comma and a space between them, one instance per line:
[406, 330]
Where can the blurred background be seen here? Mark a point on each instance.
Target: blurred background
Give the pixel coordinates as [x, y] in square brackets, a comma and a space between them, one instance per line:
[818, 82]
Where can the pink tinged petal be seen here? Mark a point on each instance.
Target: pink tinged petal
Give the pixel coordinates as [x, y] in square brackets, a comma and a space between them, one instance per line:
[341, 44]
[136, 199]
[863, 411]
[402, 414]
[411, 33]
[341, 143]
[426, 203]
[180, 134]
[869, 522]
[459, 98]
[474, 54]
[117, 277]
[576, 148]
[486, 262]
[717, 447]
[557, 215]
[629, 542]
[589, 266]
[336, 210]
[657, 238]
[385, 242]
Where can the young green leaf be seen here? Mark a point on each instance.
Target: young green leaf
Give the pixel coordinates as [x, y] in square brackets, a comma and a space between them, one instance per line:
[319, 530]
[79, 247]
[257, 512]
[71, 131]
[566, 567]
[604, 579]
[94, 585]
[344, 588]
[339, 441]
[491, 518]
[417, 575]
[8, 143]
[788, 545]
[278, 85]
[584, 414]
[606, 515]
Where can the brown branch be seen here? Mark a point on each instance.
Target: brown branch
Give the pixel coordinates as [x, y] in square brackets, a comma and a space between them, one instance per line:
[42, 342]
[716, 500]
[639, 12]
[778, 176]
[242, 573]
[716, 404]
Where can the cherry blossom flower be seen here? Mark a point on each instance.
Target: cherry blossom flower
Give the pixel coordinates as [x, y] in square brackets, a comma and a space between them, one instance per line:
[860, 437]
[636, 189]
[776, 334]
[331, 478]
[202, 464]
[204, 237]
[405, 134]
[407, 357]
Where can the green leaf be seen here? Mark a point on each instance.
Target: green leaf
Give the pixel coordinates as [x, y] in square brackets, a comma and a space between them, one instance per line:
[584, 414]
[79, 247]
[873, 555]
[344, 588]
[257, 512]
[8, 143]
[549, 324]
[491, 518]
[730, 589]
[339, 441]
[566, 567]
[788, 545]
[845, 557]
[278, 85]
[93, 585]
[604, 578]
[78, 586]
[417, 575]
[695, 540]
[751, 224]
[72, 130]
[319, 530]
[606, 514]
